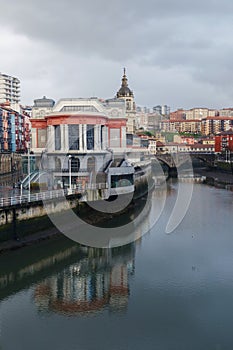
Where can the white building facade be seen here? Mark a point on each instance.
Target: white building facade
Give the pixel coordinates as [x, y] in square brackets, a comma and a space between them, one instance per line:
[83, 143]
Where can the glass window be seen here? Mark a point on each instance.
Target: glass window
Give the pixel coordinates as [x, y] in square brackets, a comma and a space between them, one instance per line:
[57, 135]
[73, 131]
[90, 137]
[75, 164]
[114, 137]
[42, 138]
[84, 108]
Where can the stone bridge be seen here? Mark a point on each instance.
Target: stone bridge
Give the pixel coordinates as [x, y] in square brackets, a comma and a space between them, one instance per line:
[176, 160]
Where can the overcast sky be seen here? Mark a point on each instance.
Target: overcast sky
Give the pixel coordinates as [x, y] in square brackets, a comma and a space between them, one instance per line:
[178, 53]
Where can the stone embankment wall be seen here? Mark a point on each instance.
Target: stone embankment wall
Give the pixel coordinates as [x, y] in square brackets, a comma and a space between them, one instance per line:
[36, 210]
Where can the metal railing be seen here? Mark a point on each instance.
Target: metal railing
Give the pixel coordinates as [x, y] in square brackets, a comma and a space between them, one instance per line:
[47, 195]
[32, 197]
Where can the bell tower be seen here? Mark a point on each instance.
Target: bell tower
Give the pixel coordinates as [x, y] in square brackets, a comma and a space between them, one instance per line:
[127, 95]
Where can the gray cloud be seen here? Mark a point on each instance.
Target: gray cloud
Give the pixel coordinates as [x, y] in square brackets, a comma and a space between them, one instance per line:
[73, 47]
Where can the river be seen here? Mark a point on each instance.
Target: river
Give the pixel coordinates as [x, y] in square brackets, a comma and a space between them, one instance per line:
[164, 291]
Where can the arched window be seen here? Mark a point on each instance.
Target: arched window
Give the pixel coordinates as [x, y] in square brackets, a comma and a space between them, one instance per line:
[57, 163]
[75, 164]
[91, 164]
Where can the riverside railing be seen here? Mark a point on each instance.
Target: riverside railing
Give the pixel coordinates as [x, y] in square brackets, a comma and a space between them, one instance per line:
[32, 197]
[47, 195]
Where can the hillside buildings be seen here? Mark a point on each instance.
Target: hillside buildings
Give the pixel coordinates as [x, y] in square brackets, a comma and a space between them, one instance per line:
[203, 121]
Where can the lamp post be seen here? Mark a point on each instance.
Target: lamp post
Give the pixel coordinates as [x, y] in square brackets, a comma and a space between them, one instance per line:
[29, 173]
[21, 188]
[70, 174]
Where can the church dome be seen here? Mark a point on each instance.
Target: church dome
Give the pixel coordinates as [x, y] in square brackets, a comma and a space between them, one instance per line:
[44, 102]
[124, 89]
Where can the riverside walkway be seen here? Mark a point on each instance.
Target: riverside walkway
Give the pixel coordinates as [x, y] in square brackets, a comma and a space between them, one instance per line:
[6, 202]
[30, 198]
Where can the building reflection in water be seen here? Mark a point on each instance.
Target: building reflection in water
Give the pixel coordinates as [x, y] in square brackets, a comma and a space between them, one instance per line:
[97, 282]
[76, 279]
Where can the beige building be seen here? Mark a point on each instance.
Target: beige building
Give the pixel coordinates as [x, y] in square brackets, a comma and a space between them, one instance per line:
[152, 146]
[173, 147]
[159, 137]
[142, 120]
[215, 125]
[200, 113]
[42, 107]
[226, 112]
[190, 126]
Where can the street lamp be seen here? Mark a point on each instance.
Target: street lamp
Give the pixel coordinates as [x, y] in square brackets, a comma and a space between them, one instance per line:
[21, 188]
[29, 173]
[69, 161]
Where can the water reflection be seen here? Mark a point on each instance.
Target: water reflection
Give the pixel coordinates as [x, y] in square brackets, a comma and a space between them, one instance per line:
[70, 279]
[99, 280]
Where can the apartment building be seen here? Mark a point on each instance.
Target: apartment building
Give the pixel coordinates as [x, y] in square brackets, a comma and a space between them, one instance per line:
[226, 112]
[9, 89]
[14, 130]
[200, 113]
[224, 141]
[215, 125]
[180, 114]
[190, 126]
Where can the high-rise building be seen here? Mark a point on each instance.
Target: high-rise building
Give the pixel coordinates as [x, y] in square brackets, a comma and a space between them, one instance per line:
[163, 110]
[9, 89]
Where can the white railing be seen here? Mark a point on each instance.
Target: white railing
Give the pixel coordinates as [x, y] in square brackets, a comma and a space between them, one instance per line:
[31, 197]
[46, 195]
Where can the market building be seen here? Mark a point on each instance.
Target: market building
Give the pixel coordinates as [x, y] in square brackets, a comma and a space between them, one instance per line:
[80, 139]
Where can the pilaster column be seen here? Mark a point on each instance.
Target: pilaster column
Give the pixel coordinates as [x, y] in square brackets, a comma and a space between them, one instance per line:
[65, 137]
[50, 138]
[80, 137]
[97, 145]
[34, 138]
[105, 137]
[123, 136]
[85, 137]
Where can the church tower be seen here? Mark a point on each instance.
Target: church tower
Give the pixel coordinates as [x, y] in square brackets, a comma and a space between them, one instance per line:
[127, 95]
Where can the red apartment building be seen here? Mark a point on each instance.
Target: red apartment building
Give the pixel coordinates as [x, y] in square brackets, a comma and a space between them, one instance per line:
[224, 141]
